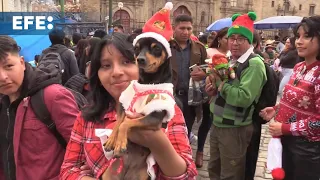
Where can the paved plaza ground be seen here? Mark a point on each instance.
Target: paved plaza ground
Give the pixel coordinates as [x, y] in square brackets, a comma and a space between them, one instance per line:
[261, 171]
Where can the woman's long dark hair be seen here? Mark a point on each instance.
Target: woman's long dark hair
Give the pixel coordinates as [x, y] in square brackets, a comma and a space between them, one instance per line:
[256, 39]
[80, 50]
[100, 99]
[292, 43]
[311, 25]
[93, 42]
[220, 34]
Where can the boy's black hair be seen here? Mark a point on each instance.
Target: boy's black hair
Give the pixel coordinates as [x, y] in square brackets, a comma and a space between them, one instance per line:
[100, 33]
[183, 18]
[118, 26]
[57, 36]
[7, 45]
[76, 37]
[36, 58]
[204, 39]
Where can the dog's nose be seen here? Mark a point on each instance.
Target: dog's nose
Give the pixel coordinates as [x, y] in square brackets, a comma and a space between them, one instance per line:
[141, 61]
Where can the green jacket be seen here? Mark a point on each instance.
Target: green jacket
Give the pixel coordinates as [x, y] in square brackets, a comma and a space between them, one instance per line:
[232, 106]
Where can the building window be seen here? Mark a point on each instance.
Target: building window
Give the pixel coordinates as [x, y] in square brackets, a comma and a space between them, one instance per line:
[300, 6]
[233, 3]
[272, 3]
[311, 10]
[202, 16]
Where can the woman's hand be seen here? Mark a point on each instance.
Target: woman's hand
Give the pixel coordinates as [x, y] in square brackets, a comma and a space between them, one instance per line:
[85, 169]
[267, 113]
[146, 138]
[197, 74]
[169, 161]
[275, 129]
[216, 75]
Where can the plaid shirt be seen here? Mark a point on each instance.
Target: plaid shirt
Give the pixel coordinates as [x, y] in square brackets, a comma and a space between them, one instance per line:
[85, 147]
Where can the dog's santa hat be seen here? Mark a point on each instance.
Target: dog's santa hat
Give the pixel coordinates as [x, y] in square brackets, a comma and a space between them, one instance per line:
[159, 27]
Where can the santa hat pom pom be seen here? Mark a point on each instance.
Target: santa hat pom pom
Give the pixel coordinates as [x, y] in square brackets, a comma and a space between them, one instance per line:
[168, 6]
[278, 174]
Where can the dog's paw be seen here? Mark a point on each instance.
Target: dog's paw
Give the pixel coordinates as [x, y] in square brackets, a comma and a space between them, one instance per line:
[109, 145]
[120, 148]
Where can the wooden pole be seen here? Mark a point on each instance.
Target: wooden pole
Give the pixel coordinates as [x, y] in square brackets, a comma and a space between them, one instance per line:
[62, 9]
[110, 12]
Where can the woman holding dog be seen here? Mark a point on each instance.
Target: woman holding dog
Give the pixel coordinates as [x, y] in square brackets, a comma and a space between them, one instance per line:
[112, 69]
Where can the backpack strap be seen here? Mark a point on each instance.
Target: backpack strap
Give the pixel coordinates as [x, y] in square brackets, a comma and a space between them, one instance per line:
[239, 70]
[42, 113]
[244, 65]
[62, 50]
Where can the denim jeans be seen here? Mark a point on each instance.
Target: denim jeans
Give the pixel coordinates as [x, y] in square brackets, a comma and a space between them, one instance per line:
[286, 72]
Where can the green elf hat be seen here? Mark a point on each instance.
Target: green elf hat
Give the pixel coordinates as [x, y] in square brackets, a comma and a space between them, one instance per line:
[243, 25]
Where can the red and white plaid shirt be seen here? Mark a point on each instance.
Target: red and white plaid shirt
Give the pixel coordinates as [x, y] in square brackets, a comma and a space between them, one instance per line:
[85, 147]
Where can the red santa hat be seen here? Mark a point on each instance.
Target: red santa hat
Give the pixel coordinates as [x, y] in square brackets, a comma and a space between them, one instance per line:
[159, 27]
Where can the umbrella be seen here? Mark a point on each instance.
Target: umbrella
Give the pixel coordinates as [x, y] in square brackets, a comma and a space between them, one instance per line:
[278, 22]
[219, 24]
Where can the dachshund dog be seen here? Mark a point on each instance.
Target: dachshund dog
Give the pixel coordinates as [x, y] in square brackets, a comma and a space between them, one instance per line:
[154, 68]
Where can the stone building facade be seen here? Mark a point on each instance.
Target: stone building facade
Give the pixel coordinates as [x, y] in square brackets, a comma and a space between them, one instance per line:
[135, 12]
[267, 8]
[15, 6]
[204, 12]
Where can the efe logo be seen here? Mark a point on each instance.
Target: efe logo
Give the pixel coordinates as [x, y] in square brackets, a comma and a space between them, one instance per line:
[39, 21]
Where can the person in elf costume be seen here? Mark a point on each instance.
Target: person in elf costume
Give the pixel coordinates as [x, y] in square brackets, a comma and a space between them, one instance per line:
[231, 110]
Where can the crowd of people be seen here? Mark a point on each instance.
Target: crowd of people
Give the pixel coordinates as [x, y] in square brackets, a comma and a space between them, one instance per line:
[99, 68]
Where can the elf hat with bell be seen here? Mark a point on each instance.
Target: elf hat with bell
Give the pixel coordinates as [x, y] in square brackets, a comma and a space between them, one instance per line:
[243, 25]
[159, 27]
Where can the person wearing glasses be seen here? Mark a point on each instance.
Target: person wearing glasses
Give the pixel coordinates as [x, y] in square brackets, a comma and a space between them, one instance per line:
[231, 107]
